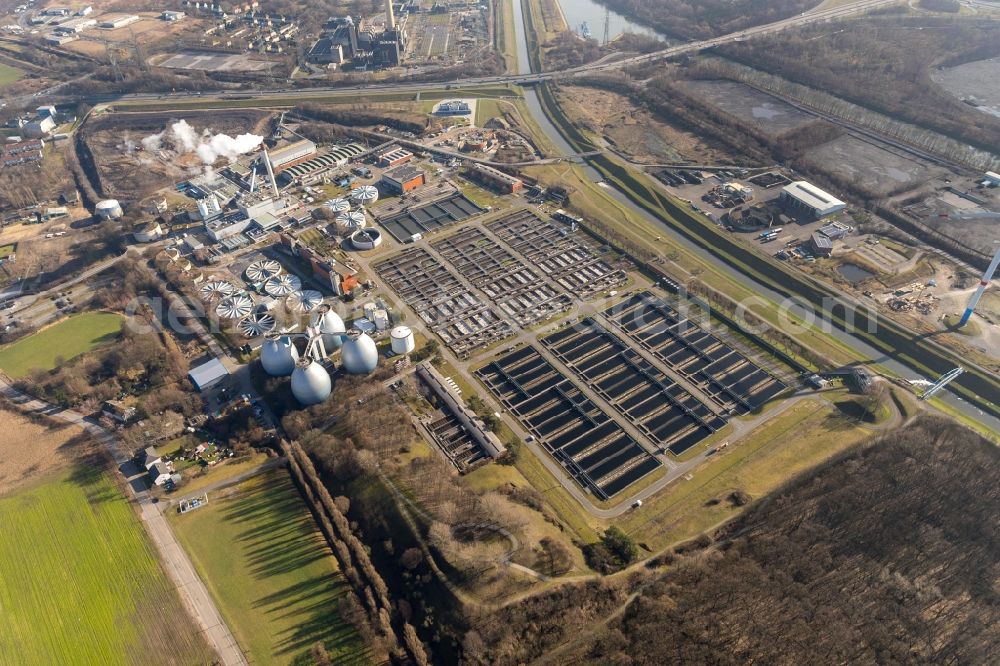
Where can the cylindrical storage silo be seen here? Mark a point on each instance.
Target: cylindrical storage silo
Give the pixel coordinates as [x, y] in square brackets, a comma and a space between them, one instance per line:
[401, 340]
[331, 327]
[278, 355]
[311, 384]
[108, 209]
[359, 355]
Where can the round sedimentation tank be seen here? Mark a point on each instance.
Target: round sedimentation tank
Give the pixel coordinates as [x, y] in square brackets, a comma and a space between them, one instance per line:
[256, 324]
[278, 355]
[366, 239]
[216, 290]
[234, 307]
[306, 300]
[351, 221]
[338, 205]
[365, 195]
[283, 285]
[401, 340]
[311, 384]
[359, 355]
[331, 327]
[263, 270]
[108, 209]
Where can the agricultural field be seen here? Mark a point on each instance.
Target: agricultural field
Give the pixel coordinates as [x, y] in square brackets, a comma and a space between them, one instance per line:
[270, 571]
[9, 74]
[90, 590]
[65, 340]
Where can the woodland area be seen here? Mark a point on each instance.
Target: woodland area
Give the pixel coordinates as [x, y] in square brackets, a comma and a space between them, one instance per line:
[876, 65]
[887, 555]
[700, 19]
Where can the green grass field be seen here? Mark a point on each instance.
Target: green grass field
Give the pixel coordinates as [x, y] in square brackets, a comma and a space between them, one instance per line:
[67, 339]
[7, 250]
[79, 583]
[9, 74]
[271, 572]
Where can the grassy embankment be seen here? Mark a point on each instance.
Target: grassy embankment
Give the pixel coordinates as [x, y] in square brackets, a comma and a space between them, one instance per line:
[79, 584]
[272, 574]
[67, 339]
[887, 337]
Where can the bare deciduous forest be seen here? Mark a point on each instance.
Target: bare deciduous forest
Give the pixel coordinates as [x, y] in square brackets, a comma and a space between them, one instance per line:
[886, 554]
[699, 19]
[885, 65]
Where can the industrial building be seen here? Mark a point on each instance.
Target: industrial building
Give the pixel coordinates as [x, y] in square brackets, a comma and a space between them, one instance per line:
[291, 154]
[314, 168]
[462, 437]
[58, 39]
[393, 157]
[172, 16]
[455, 107]
[40, 126]
[208, 374]
[496, 179]
[801, 196]
[118, 21]
[821, 245]
[403, 179]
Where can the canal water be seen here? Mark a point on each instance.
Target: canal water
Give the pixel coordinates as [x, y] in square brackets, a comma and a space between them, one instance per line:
[578, 12]
[535, 108]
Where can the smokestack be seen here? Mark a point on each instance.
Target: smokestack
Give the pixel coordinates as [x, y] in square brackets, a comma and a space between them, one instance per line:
[270, 174]
[390, 18]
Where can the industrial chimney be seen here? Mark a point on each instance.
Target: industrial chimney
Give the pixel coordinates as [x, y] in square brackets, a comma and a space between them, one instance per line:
[390, 18]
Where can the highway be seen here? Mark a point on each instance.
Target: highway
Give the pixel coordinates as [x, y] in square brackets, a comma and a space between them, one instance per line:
[521, 78]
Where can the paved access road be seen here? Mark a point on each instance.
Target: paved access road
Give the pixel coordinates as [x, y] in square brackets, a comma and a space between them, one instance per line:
[176, 564]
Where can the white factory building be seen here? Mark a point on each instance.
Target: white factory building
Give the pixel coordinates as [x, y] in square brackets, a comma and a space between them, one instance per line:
[801, 196]
[291, 154]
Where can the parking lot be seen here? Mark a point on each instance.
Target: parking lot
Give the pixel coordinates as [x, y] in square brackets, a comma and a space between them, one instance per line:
[591, 446]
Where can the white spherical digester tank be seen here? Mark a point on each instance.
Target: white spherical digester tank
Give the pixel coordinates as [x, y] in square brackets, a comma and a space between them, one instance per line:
[359, 355]
[278, 355]
[331, 327]
[401, 340]
[311, 383]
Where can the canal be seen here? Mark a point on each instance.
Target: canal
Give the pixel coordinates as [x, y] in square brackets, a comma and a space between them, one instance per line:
[873, 355]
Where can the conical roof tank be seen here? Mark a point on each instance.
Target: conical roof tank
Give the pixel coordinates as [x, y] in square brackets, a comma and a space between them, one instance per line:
[331, 327]
[278, 355]
[311, 384]
[359, 355]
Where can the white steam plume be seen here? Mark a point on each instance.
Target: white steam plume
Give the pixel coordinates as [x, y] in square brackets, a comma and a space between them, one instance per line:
[207, 146]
